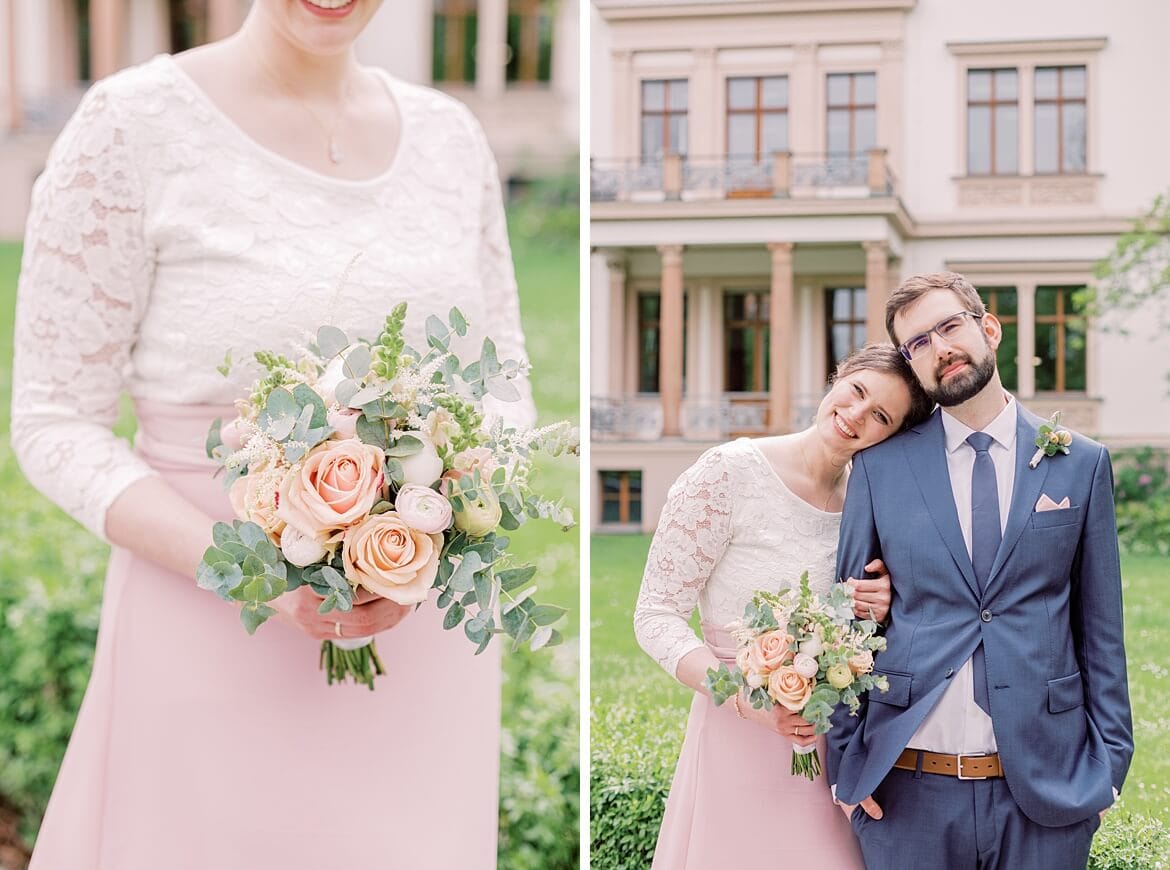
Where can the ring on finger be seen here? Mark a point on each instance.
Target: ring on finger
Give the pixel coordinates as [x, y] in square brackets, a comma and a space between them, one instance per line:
[337, 629]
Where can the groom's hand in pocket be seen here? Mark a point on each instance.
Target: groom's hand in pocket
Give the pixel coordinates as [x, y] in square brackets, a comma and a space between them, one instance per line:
[871, 598]
[868, 804]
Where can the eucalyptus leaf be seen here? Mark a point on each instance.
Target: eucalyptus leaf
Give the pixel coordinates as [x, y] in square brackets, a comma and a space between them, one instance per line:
[375, 433]
[254, 615]
[519, 599]
[458, 322]
[539, 638]
[436, 333]
[214, 439]
[504, 390]
[453, 616]
[345, 391]
[331, 341]
[357, 362]
[307, 397]
[367, 394]
[251, 534]
[483, 590]
[222, 533]
[406, 445]
[512, 578]
[463, 577]
[546, 614]
[488, 362]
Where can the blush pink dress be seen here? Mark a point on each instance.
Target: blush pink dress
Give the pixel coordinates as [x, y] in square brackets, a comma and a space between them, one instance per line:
[730, 527]
[160, 237]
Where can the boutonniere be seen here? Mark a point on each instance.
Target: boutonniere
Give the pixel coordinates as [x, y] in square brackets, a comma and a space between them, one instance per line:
[1051, 439]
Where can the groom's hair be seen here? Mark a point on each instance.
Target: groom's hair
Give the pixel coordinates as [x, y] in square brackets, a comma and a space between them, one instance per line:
[916, 286]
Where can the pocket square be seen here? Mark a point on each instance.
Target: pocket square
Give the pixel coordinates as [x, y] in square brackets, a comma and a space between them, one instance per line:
[1047, 504]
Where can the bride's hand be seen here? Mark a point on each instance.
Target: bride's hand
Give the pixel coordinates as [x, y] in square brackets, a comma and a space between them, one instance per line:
[784, 722]
[369, 615]
[871, 598]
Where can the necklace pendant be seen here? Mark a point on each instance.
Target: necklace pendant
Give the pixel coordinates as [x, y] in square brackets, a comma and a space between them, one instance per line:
[334, 152]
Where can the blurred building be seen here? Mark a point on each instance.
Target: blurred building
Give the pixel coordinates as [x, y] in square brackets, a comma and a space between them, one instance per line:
[514, 62]
[764, 173]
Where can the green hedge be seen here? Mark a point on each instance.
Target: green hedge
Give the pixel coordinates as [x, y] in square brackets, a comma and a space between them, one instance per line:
[633, 757]
[1141, 488]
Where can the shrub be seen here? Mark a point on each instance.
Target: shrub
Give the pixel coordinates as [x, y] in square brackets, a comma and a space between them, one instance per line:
[1140, 474]
[540, 771]
[1130, 842]
[1144, 528]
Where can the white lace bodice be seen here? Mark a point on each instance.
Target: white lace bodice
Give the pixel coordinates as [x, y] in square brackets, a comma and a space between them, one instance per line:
[730, 527]
[161, 236]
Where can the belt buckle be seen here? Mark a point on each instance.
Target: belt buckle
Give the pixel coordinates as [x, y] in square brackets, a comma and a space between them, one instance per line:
[960, 758]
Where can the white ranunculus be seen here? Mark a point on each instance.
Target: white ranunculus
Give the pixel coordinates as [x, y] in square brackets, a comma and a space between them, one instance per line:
[300, 549]
[754, 679]
[423, 509]
[811, 647]
[425, 466]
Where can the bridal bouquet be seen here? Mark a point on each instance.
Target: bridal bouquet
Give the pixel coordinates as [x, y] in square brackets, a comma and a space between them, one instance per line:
[805, 652]
[369, 465]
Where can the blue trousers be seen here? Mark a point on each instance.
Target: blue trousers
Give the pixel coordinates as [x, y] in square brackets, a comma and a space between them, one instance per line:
[934, 822]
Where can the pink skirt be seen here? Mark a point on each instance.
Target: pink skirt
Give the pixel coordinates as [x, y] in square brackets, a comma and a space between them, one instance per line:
[200, 747]
[733, 795]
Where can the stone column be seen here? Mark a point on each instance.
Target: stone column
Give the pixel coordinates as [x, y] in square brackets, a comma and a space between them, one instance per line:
[625, 138]
[877, 289]
[105, 29]
[780, 338]
[223, 18]
[670, 358]
[491, 48]
[15, 109]
[1026, 339]
[615, 262]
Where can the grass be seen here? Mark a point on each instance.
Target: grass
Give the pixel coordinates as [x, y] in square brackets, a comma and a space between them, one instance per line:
[622, 674]
[38, 540]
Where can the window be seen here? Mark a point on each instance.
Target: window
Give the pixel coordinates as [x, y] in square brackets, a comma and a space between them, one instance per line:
[664, 117]
[852, 114]
[1060, 340]
[530, 28]
[621, 496]
[1060, 120]
[757, 116]
[649, 333]
[1002, 302]
[992, 122]
[845, 323]
[745, 341]
[453, 49]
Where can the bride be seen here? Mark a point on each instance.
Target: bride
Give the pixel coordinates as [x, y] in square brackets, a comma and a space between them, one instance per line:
[195, 205]
[754, 514]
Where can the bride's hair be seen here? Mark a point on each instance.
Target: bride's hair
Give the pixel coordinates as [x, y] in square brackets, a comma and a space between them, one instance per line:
[888, 359]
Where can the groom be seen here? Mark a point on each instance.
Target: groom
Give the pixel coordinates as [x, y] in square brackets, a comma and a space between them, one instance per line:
[1006, 731]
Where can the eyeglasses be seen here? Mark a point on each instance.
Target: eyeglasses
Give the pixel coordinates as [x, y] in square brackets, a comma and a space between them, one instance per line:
[947, 328]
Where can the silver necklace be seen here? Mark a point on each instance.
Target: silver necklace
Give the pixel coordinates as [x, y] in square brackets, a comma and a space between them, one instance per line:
[812, 477]
[334, 150]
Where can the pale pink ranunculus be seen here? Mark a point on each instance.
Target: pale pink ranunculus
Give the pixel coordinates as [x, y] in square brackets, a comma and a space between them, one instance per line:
[423, 509]
[769, 651]
[805, 665]
[862, 662]
[475, 458]
[335, 486]
[385, 556]
[344, 422]
[231, 434]
[789, 689]
[254, 498]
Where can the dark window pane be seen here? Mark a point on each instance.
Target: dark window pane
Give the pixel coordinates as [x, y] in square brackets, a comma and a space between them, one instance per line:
[651, 135]
[1046, 300]
[635, 511]
[775, 92]
[1046, 83]
[611, 482]
[653, 96]
[635, 478]
[1074, 137]
[1006, 84]
[611, 512]
[678, 95]
[979, 85]
[1006, 137]
[842, 304]
[1046, 351]
[978, 140]
[838, 131]
[842, 341]
[648, 306]
[1046, 139]
[838, 90]
[1007, 355]
[865, 89]
[1074, 356]
[741, 93]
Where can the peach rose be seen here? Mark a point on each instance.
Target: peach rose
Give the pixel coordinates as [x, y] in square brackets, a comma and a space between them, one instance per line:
[769, 651]
[862, 663]
[334, 487]
[254, 499]
[789, 689]
[387, 557]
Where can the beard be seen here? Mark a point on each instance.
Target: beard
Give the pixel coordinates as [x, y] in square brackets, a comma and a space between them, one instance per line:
[962, 387]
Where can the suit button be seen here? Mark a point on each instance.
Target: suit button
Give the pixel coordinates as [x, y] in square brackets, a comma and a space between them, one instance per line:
[985, 616]
[950, 672]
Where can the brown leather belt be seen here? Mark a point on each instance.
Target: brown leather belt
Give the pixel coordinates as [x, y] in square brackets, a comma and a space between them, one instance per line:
[962, 766]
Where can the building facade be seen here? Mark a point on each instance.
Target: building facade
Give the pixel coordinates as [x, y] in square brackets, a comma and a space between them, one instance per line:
[765, 172]
[514, 62]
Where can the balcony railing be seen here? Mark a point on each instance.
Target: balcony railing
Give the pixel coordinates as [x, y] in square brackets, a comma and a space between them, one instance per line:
[781, 176]
[702, 418]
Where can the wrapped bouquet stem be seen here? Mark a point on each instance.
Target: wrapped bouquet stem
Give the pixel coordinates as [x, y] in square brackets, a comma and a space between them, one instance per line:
[805, 652]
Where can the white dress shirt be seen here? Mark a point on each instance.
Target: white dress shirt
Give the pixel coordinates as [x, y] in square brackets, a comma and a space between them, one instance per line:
[958, 725]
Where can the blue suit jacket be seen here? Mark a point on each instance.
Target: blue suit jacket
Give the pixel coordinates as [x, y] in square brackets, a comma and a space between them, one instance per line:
[1050, 620]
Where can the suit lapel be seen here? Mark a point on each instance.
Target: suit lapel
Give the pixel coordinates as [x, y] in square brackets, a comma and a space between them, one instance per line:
[1026, 489]
[927, 456]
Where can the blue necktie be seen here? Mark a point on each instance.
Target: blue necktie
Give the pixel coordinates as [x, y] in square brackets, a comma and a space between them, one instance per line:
[985, 538]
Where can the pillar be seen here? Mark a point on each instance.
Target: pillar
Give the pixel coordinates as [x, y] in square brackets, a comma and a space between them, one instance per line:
[877, 290]
[781, 333]
[670, 358]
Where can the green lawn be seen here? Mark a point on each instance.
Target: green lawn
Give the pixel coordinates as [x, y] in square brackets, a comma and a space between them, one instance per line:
[622, 674]
[41, 547]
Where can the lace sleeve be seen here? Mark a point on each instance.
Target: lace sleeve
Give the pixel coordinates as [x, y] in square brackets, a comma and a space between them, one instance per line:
[83, 284]
[500, 293]
[693, 532]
